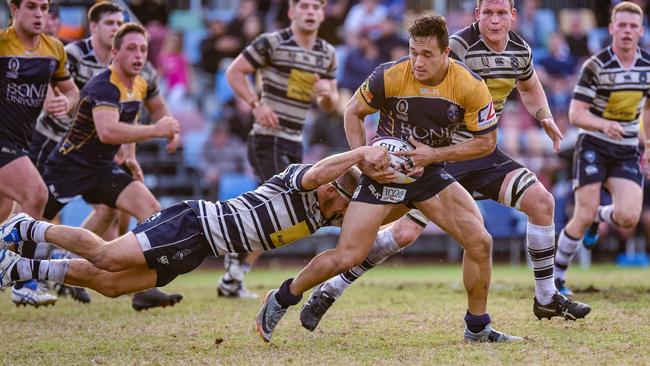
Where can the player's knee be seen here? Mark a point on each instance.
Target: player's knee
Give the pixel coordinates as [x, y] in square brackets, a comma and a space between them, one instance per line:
[479, 245]
[349, 260]
[36, 198]
[625, 219]
[151, 207]
[110, 288]
[406, 234]
[106, 262]
[539, 204]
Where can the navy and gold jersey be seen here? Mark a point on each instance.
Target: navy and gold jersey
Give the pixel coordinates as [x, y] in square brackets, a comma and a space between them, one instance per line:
[500, 70]
[81, 142]
[431, 114]
[287, 72]
[83, 66]
[277, 213]
[24, 77]
[615, 93]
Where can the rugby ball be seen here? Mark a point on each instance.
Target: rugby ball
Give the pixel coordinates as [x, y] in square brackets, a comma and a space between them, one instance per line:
[400, 164]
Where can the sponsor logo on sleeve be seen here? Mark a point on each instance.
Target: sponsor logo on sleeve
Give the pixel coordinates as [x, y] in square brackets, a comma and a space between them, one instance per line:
[487, 116]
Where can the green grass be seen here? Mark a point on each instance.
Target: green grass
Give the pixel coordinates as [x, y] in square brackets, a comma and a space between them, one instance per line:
[395, 315]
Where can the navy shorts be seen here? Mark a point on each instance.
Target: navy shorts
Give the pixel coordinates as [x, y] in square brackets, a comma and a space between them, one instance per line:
[595, 160]
[9, 152]
[173, 242]
[39, 149]
[433, 180]
[484, 175]
[67, 180]
[270, 155]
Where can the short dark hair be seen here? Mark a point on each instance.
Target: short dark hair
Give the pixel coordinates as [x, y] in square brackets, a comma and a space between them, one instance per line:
[98, 10]
[17, 3]
[434, 26]
[125, 29]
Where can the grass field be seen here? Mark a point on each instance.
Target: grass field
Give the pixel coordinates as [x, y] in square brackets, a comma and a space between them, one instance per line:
[395, 315]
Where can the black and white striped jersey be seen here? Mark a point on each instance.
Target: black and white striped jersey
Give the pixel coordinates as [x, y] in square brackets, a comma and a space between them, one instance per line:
[275, 214]
[83, 66]
[287, 72]
[615, 93]
[500, 70]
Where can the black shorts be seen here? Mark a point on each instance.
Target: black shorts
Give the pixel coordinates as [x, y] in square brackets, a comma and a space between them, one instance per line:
[270, 155]
[595, 160]
[9, 152]
[66, 180]
[484, 175]
[173, 242]
[433, 180]
[39, 149]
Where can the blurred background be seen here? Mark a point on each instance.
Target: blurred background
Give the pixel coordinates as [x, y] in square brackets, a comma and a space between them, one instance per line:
[193, 41]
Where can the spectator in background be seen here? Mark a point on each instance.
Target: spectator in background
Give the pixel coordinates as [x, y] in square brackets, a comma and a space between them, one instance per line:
[174, 69]
[221, 154]
[247, 8]
[577, 39]
[217, 46]
[53, 22]
[237, 115]
[393, 44]
[326, 133]
[556, 71]
[335, 14]
[364, 18]
[251, 28]
[360, 62]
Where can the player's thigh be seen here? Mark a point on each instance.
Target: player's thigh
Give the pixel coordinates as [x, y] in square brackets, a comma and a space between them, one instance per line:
[137, 200]
[360, 226]
[171, 242]
[19, 179]
[454, 211]
[587, 199]
[628, 196]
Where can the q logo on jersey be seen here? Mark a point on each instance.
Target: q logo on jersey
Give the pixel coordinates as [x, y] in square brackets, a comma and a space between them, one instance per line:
[487, 116]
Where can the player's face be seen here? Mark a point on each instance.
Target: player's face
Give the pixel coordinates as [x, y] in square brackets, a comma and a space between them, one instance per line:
[626, 30]
[427, 59]
[495, 18]
[31, 16]
[307, 15]
[105, 29]
[52, 25]
[132, 55]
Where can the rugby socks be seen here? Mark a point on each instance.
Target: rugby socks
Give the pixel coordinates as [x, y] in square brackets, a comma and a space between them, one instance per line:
[33, 230]
[540, 242]
[477, 323]
[45, 270]
[605, 213]
[567, 247]
[383, 247]
[285, 297]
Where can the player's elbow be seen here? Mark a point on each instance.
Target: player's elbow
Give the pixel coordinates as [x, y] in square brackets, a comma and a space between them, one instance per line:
[108, 136]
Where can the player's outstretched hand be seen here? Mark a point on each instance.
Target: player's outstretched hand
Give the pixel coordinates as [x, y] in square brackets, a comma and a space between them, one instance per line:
[167, 127]
[421, 156]
[173, 143]
[56, 104]
[266, 116]
[552, 131]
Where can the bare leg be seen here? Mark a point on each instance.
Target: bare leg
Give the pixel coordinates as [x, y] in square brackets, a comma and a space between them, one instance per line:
[100, 219]
[21, 182]
[137, 200]
[82, 273]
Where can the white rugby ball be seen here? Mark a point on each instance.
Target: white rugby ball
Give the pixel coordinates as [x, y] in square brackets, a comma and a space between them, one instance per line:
[400, 164]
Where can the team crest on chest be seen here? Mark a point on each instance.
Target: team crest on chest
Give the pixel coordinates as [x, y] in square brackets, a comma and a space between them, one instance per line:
[453, 112]
[14, 65]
